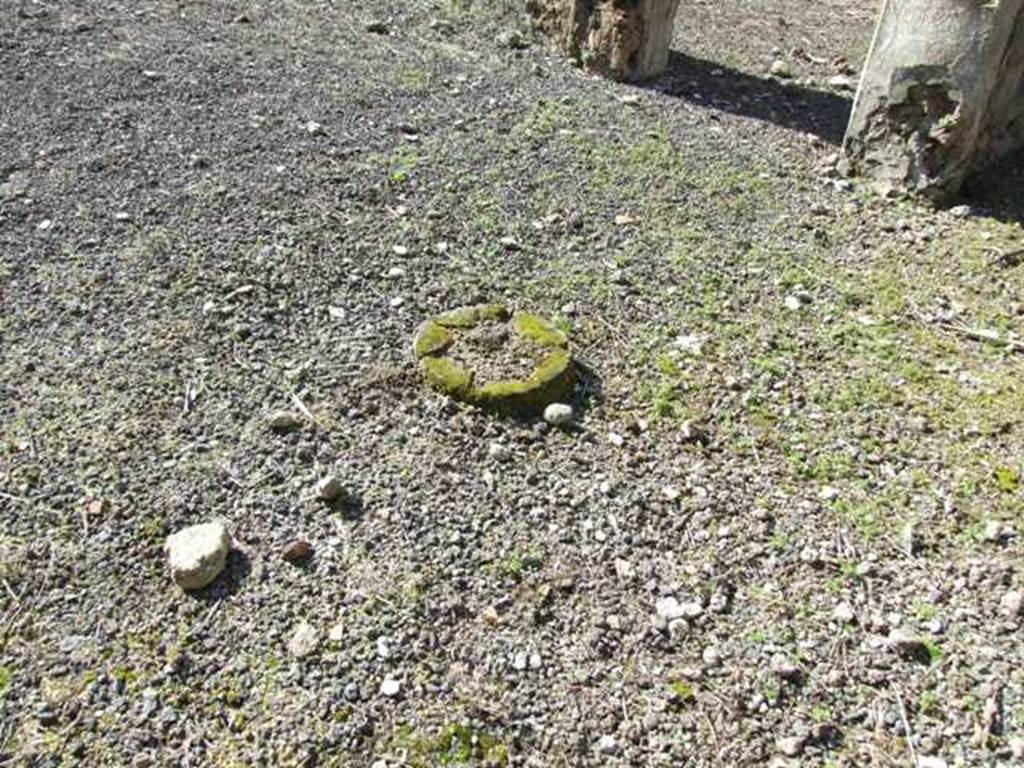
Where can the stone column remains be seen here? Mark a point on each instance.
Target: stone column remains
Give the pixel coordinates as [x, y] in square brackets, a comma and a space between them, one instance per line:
[624, 39]
[941, 95]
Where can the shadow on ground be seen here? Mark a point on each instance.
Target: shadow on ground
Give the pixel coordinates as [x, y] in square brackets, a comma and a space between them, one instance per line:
[707, 83]
[229, 581]
[998, 191]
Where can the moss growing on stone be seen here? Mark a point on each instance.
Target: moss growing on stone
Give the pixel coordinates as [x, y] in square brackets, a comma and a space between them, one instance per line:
[431, 339]
[469, 317]
[539, 330]
[448, 376]
[550, 381]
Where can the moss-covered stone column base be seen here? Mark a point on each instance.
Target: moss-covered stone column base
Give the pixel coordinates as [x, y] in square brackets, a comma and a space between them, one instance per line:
[551, 381]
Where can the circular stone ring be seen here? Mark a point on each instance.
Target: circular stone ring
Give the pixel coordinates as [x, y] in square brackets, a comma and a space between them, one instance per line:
[551, 381]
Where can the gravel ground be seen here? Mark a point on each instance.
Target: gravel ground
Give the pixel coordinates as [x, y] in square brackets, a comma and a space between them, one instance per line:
[785, 527]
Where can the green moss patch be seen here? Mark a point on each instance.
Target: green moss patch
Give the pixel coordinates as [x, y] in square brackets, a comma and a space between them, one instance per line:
[539, 330]
[448, 376]
[470, 317]
[550, 381]
[431, 339]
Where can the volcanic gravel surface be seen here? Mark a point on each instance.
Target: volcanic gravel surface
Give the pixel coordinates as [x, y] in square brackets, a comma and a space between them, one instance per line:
[785, 527]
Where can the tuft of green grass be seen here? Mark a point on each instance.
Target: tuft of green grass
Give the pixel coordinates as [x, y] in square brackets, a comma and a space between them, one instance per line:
[934, 651]
[929, 703]
[682, 692]
[456, 744]
[1008, 479]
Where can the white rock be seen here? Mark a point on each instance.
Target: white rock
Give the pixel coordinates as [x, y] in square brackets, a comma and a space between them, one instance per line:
[711, 656]
[785, 669]
[996, 531]
[313, 128]
[558, 414]
[845, 82]
[329, 488]
[690, 343]
[395, 272]
[828, 493]
[668, 608]
[198, 553]
[791, 746]
[844, 613]
[691, 610]
[499, 452]
[720, 601]
[793, 303]
[397, 301]
[623, 568]
[927, 761]
[1012, 603]
[905, 644]
[608, 745]
[304, 640]
[520, 661]
[336, 633]
[390, 687]
[780, 68]
[678, 629]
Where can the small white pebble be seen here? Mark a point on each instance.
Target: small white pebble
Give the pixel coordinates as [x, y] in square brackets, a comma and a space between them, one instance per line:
[329, 488]
[558, 414]
[828, 493]
[1012, 603]
[791, 746]
[499, 452]
[608, 745]
[711, 656]
[844, 613]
